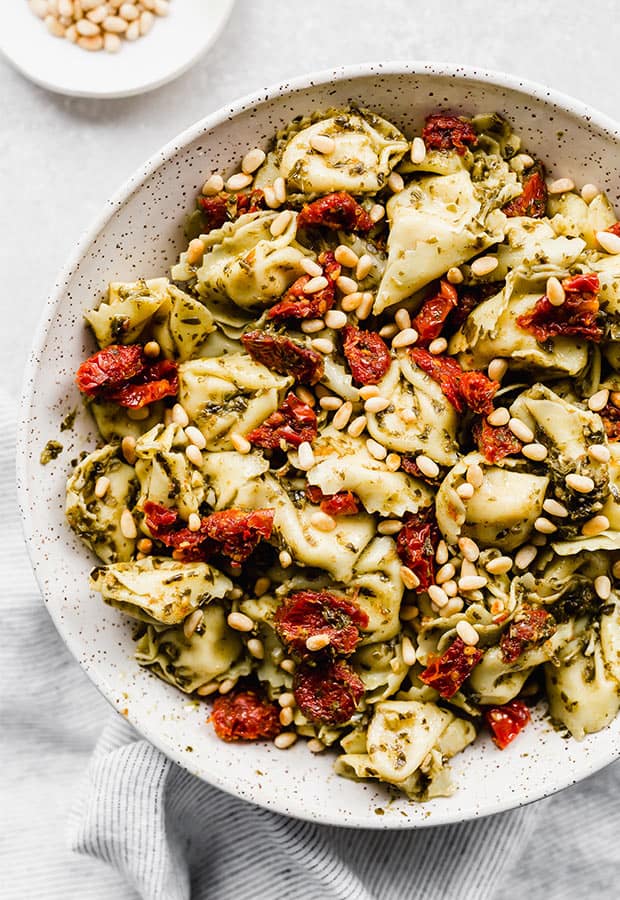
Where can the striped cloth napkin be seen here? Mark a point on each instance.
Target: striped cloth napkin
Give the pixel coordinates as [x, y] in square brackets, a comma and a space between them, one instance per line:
[168, 836]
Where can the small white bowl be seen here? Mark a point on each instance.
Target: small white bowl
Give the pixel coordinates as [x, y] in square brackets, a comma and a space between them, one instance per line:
[139, 234]
[174, 44]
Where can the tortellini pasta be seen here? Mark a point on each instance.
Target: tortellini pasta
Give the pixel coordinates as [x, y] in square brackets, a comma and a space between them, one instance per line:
[165, 474]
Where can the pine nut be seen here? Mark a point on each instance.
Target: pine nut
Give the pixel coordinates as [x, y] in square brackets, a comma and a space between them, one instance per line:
[438, 595]
[465, 491]
[179, 416]
[96, 15]
[315, 284]
[281, 222]
[212, 185]
[595, 525]
[192, 622]
[285, 558]
[602, 587]
[279, 187]
[392, 462]
[402, 318]
[39, 8]
[377, 212]
[256, 648]
[128, 448]
[418, 151]
[305, 395]
[499, 566]
[376, 404]
[305, 456]
[288, 665]
[427, 466]
[471, 583]
[195, 251]
[102, 486]
[467, 633]
[545, 526]
[151, 349]
[583, 484]
[454, 275]
[146, 22]
[322, 143]
[438, 346]
[497, 368]
[145, 545]
[335, 319]
[252, 160]
[521, 430]
[475, 475]
[561, 186]
[499, 417]
[346, 256]
[72, 36]
[56, 28]
[395, 182]
[347, 285]
[469, 549]
[226, 686]
[241, 444]
[285, 739]
[553, 508]
[525, 556]
[161, 7]
[405, 338]
[388, 331]
[409, 579]
[322, 345]
[365, 307]
[310, 267]
[314, 745]
[599, 453]
[322, 521]
[614, 396]
[117, 25]
[311, 326]
[535, 452]
[484, 265]
[408, 612]
[238, 621]
[287, 699]
[441, 553]
[351, 302]
[342, 416]
[330, 403]
[468, 568]
[451, 589]
[364, 266]
[445, 573]
[128, 525]
[205, 690]
[599, 400]
[389, 526]
[129, 12]
[194, 455]
[194, 522]
[408, 651]
[556, 295]
[589, 192]
[375, 449]
[286, 716]
[317, 642]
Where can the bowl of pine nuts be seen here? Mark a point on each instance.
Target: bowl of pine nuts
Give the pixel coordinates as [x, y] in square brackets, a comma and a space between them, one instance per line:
[108, 48]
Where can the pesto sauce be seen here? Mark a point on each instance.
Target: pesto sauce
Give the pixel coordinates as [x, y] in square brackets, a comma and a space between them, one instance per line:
[51, 451]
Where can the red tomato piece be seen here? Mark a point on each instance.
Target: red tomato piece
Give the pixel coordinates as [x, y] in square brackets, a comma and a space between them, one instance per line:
[110, 368]
[336, 211]
[532, 201]
[294, 422]
[531, 627]
[416, 545]
[433, 313]
[448, 672]
[155, 382]
[328, 693]
[250, 201]
[611, 420]
[444, 370]
[159, 519]
[284, 356]
[478, 391]
[469, 298]
[305, 614]
[410, 466]
[295, 304]
[577, 316]
[507, 721]
[495, 441]
[443, 131]
[236, 533]
[225, 207]
[366, 353]
[245, 716]
[343, 503]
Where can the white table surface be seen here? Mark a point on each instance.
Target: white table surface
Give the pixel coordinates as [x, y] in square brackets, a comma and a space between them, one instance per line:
[61, 158]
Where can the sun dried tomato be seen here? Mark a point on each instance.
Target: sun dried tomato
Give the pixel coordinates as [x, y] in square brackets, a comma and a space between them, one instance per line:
[469, 298]
[110, 368]
[577, 316]
[367, 354]
[443, 131]
[610, 415]
[294, 422]
[416, 545]
[507, 721]
[225, 207]
[284, 356]
[410, 466]
[155, 382]
[495, 441]
[472, 389]
[306, 614]
[433, 313]
[245, 716]
[337, 211]
[295, 304]
[531, 626]
[234, 533]
[328, 693]
[532, 201]
[343, 503]
[446, 673]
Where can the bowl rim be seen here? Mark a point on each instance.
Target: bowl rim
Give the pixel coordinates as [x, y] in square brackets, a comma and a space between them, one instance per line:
[294, 807]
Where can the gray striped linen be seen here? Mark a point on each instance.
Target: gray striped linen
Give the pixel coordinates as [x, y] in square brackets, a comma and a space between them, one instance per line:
[167, 836]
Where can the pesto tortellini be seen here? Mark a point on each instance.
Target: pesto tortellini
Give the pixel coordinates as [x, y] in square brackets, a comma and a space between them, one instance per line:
[385, 515]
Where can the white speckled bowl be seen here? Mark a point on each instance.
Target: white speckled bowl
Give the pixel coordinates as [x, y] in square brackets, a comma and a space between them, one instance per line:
[139, 233]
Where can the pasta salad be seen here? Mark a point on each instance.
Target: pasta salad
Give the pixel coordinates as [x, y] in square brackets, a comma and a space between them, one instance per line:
[359, 473]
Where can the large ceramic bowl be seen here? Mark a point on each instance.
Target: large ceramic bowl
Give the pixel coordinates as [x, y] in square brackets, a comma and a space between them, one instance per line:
[139, 233]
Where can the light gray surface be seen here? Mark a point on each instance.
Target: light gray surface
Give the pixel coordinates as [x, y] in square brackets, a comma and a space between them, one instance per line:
[61, 158]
